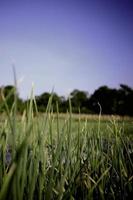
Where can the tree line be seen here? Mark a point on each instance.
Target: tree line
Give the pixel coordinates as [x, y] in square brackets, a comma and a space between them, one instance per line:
[111, 101]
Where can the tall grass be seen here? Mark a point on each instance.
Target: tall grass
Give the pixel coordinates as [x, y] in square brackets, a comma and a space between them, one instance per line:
[48, 158]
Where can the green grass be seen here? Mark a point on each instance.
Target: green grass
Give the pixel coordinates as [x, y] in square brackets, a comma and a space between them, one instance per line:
[52, 156]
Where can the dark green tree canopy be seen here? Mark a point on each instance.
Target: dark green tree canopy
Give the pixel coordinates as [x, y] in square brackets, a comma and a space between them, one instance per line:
[106, 97]
[79, 100]
[112, 101]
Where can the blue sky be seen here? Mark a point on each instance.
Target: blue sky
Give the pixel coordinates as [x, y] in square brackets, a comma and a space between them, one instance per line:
[66, 44]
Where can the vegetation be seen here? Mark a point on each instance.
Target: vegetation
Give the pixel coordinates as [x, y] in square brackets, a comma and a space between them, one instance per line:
[48, 157]
[112, 101]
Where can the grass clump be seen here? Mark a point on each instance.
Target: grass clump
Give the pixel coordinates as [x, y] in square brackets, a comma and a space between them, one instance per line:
[48, 157]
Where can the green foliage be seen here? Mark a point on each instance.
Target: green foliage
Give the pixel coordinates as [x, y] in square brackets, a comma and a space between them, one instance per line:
[45, 157]
[112, 101]
[79, 101]
[8, 93]
[43, 99]
[107, 98]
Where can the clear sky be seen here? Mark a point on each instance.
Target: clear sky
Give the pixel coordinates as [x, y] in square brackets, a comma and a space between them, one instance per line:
[66, 44]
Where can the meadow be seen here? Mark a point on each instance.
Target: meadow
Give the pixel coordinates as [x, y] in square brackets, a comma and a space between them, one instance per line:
[64, 156]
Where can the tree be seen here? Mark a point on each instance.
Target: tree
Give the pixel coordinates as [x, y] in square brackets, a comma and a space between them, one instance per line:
[79, 100]
[125, 100]
[106, 97]
[113, 101]
[42, 101]
[9, 93]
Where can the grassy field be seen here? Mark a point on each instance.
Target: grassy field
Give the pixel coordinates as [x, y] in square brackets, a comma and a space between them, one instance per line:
[57, 156]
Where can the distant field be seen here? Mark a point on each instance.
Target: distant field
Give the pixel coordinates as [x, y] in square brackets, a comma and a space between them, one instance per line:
[95, 121]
